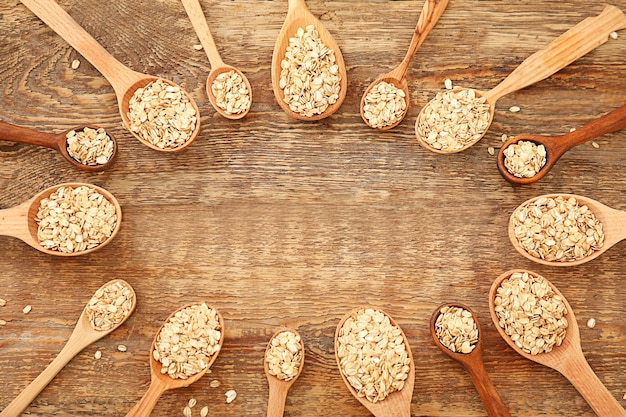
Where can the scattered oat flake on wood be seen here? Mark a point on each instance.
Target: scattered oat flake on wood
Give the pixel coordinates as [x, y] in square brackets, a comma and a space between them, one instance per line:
[448, 84]
[27, 309]
[187, 411]
[230, 396]
[491, 150]
[591, 323]
[214, 384]
[204, 412]
[514, 109]
[75, 64]
[122, 348]
[192, 402]
[3, 322]
[595, 145]
[614, 35]
[197, 47]
[3, 302]
[572, 129]
[98, 354]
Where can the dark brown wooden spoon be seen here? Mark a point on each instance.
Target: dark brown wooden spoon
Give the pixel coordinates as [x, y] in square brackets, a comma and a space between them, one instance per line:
[556, 146]
[56, 141]
[473, 364]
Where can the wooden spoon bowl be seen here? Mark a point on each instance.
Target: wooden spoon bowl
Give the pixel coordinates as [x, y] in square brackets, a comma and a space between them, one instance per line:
[54, 141]
[571, 45]
[613, 225]
[556, 146]
[299, 16]
[396, 404]
[567, 359]
[160, 382]
[19, 221]
[473, 364]
[279, 387]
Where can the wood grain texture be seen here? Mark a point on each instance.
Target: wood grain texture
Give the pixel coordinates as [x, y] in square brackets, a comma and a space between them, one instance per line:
[278, 222]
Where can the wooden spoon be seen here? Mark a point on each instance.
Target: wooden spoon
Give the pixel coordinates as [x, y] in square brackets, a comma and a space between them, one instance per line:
[396, 404]
[567, 359]
[123, 80]
[556, 146]
[613, 225]
[473, 364]
[19, 221]
[54, 141]
[199, 23]
[83, 335]
[573, 44]
[431, 12]
[279, 387]
[159, 382]
[299, 16]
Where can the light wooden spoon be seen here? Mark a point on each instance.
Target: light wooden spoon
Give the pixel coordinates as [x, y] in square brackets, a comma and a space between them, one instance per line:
[84, 334]
[568, 358]
[431, 12]
[279, 387]
[573, 44]
[613, 225]
[299, 16]
[396, 404]
[123, 80]
[556, 146]
[199, 23]
[473, 364]
[54, 141]
[19, 221]
[159, 382]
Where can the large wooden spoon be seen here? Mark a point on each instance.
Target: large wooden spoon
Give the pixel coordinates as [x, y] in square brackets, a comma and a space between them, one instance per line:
[299, 16]
[54, 141]
[568, 358]
[573, 44]
[474, 365]
[280, 387]
[123, 80]
[556, 146]
[19, 221]
[613, 225]
[199, 23]
[84, 334]
[396, 404]
[160, 382]
[431, 12]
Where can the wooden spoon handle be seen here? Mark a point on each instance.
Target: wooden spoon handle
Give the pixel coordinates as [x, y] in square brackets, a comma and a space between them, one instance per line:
[573, 44]
[489, 395]
[14, 222]
[608, 123]
[277, 398]
[120, 77]
[200, 25]
[25, 135]
[146, 404]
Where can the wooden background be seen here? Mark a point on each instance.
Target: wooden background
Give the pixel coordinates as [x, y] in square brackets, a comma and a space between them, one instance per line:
[280, 222]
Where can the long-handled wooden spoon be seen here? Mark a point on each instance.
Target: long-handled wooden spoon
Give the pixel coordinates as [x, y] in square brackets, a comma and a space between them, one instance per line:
[84, 334]
[613, 225]
[299, 16]
[161, 382]
[568, 358]
[123, 80]
[19, 221]
[556, 146]
[199, 23]
[431, 12]
[473, 364]
[573, 44]
[280, 387]
[54, 141]
[396, 404]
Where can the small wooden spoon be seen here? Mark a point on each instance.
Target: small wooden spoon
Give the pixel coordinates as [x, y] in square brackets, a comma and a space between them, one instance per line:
[431, 12]
[473, 364]
[568, 358]
[396, 404]
[199, 23]
[279, 387]
[83, 335]
[123, 80]
[299, 16]
[613, 225]
[19, 221]
[159, 383]
[556, 146]
[54, 141]
[573, 44]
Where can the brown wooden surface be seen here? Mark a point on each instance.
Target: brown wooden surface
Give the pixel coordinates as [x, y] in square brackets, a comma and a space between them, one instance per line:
[278, 222]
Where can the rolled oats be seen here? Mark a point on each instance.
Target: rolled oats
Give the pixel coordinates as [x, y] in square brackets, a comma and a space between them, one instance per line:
[3, 302]
[372, 354]
[231, 92]
[384, 105]
[524, 159]
[90, 146]
[110, 305]
[3, 322]
[456, 329]
[453, 120]
[27, 309]
[75, 64]
[591, 323]
[122, 348]
[557, 229]
[97, 355]
[531, 313]
[230, 396]
[514, 109]
[284, 355]
[214, 383]
[204, 412]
